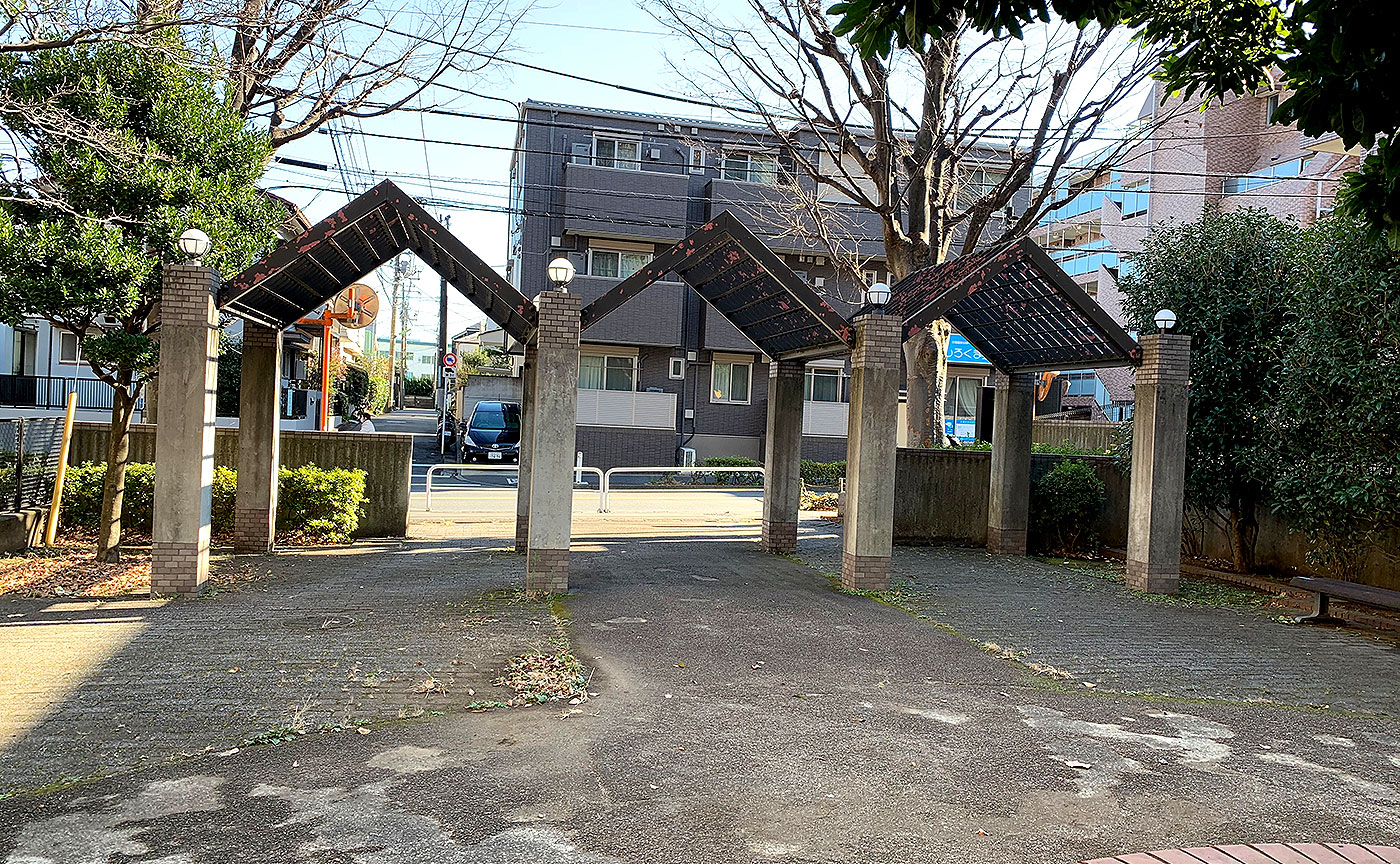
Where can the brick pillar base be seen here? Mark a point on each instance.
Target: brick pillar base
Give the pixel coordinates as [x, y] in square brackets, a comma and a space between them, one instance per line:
[547, 571]
[779, 538]
[1162, 578]
[1006, 541]
[865, 572]
[178, 568]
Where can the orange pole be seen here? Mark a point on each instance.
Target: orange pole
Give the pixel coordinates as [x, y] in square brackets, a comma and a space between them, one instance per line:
[326, 375]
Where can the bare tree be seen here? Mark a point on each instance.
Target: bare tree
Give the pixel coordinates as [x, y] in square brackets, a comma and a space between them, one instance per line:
[937, 141]
[300, 64]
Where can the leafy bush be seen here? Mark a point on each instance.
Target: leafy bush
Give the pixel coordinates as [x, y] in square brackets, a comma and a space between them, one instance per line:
[1065, 506]
[728, 478]
[315, 503]
[417, 386]
[321, 503]
[823, 473]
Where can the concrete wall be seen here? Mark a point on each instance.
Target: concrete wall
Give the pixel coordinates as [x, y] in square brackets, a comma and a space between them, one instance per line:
[23, 529]
[386, 459]
[941, 497]
[479, 388]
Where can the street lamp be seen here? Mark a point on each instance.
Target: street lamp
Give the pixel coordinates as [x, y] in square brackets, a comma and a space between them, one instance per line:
[194, 243]
[1165, 319]
[561, 273]
[877, 294]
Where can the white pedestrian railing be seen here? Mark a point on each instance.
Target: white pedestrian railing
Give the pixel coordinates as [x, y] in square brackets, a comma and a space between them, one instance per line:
[665, 469]
[464, 466]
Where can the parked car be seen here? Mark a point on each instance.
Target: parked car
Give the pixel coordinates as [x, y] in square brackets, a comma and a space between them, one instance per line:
[492, 433]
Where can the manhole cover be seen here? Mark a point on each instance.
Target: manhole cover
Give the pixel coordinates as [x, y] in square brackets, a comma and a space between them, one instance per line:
[324, 621]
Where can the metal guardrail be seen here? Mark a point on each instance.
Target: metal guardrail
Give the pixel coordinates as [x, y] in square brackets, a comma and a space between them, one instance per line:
[664, 469]
[472, 466]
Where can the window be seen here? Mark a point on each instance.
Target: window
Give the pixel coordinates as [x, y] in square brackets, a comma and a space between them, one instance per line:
[70, 348]
[677, 368]
[495, 415]
[823, 385]
[750, 168]
[1270, 106]
[615, 264]
[1134, 202]
[606, 372]
[1264, 176]
[617, 153]
[870, 276]
[697, 160]
[960, 402]
[729, 382]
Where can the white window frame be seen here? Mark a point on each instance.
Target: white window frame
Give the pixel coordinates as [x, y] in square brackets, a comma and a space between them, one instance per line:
[677, 370]
[607, 355]
[750, 176]
[952, 394]
[697, 160]
[63, 337]
[619, 250]
[871, 277]
[618, 138]
[731, 360]
[824, 368]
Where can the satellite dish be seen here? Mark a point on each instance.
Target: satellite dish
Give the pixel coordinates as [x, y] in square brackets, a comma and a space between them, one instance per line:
[356, 306]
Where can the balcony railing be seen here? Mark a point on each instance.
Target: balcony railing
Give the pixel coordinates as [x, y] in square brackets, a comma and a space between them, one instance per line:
[825, 418]
[41, 391]
[627, 408]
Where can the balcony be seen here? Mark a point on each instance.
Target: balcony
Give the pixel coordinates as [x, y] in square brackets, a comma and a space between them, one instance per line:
[767, 212]
[627, 408]
[652, 317]
[825, 418]
[40, 391]
[623, 203]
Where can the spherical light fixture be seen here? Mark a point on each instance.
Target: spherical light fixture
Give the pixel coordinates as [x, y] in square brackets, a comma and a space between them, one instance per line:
[194, 243]
[561, 272]
[1165, 319]
[877, 294]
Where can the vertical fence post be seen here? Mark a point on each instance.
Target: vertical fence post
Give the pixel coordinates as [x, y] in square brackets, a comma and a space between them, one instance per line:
[19, 465]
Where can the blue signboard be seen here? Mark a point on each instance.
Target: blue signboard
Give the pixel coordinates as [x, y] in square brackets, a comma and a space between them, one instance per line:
[964, 428]
[961, 351]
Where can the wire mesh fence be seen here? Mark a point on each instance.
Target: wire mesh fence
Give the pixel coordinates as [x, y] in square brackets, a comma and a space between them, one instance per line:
[29, 452]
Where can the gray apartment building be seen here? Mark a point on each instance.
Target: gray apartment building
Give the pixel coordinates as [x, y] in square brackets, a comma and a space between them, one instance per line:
[666, 374]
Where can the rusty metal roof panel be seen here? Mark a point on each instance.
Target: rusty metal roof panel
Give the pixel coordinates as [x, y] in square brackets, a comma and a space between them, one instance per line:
[303, 273]
[1017, 307]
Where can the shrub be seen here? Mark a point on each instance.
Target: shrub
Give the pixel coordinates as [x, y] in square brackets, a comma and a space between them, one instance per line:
[823, 473]
[321, 503]
[1065, 506]
[418, 385]
[315, 503]
[728, 478]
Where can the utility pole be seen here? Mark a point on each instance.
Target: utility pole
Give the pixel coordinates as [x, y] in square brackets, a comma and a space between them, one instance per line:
[442, 350]
[393, 332]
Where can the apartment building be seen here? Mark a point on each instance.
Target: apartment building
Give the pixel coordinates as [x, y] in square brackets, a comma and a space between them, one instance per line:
[1228, 155]
[666, 374]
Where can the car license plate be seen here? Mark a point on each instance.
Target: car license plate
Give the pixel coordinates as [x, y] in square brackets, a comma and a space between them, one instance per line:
[493, 455]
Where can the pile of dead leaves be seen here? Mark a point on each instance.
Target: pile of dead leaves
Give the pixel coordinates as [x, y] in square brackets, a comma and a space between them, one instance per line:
[818, 500]
[71, 572]
[537, 677]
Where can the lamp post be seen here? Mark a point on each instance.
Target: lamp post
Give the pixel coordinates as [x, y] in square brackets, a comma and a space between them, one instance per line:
[1165, 319]
[561, 273]
[878, 294]
[194, 243]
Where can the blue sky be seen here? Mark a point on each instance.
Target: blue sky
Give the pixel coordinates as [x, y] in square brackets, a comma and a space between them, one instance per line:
[612, 41]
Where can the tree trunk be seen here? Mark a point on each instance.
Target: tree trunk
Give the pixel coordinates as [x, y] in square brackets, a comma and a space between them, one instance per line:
[109, 528]
[1244, 530]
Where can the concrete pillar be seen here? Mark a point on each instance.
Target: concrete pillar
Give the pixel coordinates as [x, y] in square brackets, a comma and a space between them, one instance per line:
[872, 431]
[259, 433]
[782, 456]
[189, 329]
[527, 433]
[1009, 500]
[555, 407]
[1157, 492]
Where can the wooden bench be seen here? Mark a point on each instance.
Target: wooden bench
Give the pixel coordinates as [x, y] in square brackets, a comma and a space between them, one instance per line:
[1324, 589]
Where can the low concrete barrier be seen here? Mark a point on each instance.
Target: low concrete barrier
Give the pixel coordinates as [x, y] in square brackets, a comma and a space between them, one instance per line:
[385, 457]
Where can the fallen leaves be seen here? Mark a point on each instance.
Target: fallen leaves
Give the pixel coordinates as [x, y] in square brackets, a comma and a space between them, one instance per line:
[71, 571]
[538, 677]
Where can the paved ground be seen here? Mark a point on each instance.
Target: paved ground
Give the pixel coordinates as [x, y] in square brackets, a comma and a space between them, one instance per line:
[746, 711]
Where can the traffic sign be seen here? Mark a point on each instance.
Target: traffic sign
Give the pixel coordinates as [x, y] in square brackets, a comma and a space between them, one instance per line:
[449, 360]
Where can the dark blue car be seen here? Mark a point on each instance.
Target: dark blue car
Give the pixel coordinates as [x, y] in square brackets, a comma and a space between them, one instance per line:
[493, 433]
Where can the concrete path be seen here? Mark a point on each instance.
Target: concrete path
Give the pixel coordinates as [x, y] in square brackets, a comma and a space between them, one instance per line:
[746, 711]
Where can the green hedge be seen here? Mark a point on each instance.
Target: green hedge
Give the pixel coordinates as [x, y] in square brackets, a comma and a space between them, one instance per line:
[316, 503]
[1066, 503]
[728, 478]
[823, 473]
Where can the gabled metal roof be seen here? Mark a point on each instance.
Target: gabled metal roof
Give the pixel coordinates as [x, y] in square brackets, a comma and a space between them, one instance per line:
[1017, 307]
[306, 271]
[747, 284]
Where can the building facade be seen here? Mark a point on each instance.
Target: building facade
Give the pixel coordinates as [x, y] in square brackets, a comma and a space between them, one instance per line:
[1228, 155]
[665, 378]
